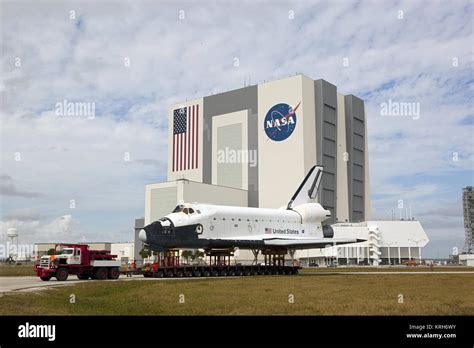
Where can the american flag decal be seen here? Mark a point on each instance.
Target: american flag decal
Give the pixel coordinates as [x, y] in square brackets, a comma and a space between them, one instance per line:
[268, 230]
[185, 138]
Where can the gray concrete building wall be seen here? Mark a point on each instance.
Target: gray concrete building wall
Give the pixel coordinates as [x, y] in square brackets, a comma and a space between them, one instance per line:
[138, 244]
[223, 103]
[355, 141]
[326, 139]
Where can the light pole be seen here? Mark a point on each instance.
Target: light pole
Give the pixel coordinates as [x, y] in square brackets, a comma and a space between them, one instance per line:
[419, 248]
[389, 245]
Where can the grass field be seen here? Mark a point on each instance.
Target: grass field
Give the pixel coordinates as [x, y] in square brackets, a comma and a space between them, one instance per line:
[27, 269]
[390, 269]
[14, 270]
[442, 294]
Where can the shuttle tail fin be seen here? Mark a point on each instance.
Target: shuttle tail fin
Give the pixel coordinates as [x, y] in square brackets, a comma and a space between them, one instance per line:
[308, 189]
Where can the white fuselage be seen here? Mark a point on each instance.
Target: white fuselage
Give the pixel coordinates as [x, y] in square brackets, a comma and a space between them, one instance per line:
[296, 226]
[229, 222]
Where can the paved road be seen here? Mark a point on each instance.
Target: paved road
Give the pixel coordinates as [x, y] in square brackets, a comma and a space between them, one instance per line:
[35, 283]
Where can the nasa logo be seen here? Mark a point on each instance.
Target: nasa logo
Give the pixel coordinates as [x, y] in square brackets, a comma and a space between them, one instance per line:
[280, 121]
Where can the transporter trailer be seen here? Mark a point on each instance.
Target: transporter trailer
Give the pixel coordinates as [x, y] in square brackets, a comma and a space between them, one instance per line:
[79, 260]
[169, 266]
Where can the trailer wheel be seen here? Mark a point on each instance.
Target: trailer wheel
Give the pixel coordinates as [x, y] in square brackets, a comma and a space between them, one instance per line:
[179, 274]
[62, 274]
[239, 272]
[189, 274]
[246, 272]
[197, 274]
[206, 273]
[231, 273]
[214, 273]
[170, 274]
[159, 274]
[294, 271]
[100, 273]
[261, 271]
[223, 273]
[83, 276]
[45, 279]
[114, 273]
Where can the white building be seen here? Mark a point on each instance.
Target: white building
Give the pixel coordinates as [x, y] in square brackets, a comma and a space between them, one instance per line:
[387, 242]
[466, 260]
[253, 146]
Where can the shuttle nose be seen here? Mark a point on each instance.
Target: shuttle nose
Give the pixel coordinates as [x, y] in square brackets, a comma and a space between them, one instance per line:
[142, 235]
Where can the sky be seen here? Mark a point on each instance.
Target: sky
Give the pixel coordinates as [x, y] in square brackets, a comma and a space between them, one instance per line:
[75, 177]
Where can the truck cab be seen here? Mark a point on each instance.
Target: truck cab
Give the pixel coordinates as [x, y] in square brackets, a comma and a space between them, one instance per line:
[69, 256]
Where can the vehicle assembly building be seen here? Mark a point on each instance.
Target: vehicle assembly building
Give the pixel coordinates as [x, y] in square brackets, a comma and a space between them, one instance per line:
[252, 147]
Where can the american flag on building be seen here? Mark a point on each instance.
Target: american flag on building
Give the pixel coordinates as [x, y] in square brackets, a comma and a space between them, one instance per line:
[185, 138]
[268, 230]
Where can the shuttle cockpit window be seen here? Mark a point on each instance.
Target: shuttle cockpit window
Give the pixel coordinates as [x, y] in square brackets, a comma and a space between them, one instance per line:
[191, 211]
[178, 209]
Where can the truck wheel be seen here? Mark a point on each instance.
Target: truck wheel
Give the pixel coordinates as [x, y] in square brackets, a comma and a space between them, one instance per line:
[214, 273]
[114, 273]
[246, 272]
[197, 274]
[45, 278]
[100, 273]
[239, 273]
[170, 274]
[223, 273]
[231, 273]
[62, 274]
[83, 276]
[179, 274]
[206, 273]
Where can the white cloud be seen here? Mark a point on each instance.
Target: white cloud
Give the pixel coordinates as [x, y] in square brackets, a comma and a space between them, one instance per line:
[172, 60]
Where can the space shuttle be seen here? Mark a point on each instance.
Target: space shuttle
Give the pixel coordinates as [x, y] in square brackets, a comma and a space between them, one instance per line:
[298, 225]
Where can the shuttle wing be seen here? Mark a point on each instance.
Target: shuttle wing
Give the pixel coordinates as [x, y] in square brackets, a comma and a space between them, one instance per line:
[309, 243]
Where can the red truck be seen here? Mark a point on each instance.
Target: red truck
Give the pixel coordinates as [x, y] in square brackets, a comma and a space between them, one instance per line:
[79, 260]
